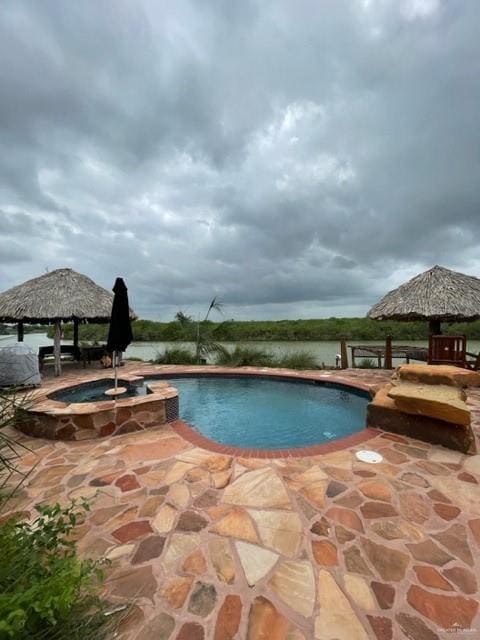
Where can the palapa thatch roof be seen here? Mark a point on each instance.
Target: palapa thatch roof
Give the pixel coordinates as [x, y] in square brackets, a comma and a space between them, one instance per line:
[438, 293]
[62, 294]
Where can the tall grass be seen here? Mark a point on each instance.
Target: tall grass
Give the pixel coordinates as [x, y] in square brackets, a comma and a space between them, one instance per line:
[367, 363]
[174, 355]
[255, 357]
[242, 356]
[297, 360]
[245, 357]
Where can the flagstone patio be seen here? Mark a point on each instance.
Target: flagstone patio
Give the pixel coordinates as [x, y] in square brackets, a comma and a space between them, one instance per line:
[324, 547]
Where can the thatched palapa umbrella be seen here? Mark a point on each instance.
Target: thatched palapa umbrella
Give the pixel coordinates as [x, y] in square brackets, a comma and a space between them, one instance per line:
[437, 295]
[58, 296]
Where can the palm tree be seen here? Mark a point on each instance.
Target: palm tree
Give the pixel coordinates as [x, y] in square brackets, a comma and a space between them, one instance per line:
[182, 318]
[200, 331]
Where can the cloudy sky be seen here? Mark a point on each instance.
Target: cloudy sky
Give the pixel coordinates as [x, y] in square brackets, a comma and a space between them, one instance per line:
[294, 158]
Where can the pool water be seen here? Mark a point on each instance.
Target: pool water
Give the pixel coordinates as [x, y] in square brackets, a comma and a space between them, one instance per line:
[262, 413]
[94, 392]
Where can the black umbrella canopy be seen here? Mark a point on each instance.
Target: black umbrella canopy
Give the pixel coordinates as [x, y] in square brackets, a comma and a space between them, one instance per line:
[120, 331]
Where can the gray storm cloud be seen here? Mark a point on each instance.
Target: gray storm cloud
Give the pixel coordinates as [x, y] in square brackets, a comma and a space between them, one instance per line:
[296, 159]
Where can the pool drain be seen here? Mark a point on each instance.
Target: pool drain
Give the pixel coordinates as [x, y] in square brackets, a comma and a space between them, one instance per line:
[372, 457]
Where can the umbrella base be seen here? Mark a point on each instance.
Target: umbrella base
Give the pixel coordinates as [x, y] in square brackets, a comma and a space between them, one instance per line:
[116, 392]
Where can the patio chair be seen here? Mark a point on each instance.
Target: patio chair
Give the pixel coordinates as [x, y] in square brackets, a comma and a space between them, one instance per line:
[447, 350]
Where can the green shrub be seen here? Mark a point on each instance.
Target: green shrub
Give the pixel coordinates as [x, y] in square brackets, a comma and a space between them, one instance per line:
[297, 360]
[175, 356]
[244, 357]
[46, 591]
[367, 363]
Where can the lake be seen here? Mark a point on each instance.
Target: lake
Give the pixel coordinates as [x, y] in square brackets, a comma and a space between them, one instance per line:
[323, 351]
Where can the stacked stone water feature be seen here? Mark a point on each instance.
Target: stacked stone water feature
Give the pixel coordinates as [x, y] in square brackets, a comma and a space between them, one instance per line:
[428, 402]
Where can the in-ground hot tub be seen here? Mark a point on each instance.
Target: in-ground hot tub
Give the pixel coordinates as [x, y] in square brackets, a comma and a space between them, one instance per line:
[83, 411]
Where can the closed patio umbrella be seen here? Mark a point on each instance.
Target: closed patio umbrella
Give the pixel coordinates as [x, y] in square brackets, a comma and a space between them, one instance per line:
[120, 331]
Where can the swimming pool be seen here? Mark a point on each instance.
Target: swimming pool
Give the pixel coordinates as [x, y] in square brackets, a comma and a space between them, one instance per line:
[247, 411]
[269, 413]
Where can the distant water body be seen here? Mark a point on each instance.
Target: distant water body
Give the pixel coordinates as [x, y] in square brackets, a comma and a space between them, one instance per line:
[324, 352]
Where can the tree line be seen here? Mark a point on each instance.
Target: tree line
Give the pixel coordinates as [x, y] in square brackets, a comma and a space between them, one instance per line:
[282, 330]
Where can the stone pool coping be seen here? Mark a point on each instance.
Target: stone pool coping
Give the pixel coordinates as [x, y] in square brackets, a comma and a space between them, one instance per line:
[43, 403]
[191, 434]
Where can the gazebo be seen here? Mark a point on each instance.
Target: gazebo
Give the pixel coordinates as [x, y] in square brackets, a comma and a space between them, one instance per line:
[437, 295]
[57, 296]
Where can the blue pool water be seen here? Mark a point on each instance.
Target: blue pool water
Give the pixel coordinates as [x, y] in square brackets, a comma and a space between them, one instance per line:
[269, 414]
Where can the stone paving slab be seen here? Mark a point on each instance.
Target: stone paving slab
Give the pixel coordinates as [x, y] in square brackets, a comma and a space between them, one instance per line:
[316, 548]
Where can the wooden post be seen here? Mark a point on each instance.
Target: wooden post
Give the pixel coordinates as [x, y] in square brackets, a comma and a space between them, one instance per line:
[57, 336]
[388, 353]
[20, 331]
[75, 332]
[435, 327]
[344, 354]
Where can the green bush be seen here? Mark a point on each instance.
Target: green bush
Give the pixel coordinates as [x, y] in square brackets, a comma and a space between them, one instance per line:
[244, 357]
[175, 356]
[297, 360]
[46, 591]
[255, 357]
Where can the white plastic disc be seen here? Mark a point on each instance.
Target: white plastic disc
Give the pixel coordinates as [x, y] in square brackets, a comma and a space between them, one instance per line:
[372, 457]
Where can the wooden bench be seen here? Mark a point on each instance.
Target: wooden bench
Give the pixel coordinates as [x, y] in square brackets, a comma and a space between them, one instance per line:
[67, 352]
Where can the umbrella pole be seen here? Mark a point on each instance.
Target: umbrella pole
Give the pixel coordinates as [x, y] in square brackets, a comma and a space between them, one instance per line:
[115, 368]
[57, 348]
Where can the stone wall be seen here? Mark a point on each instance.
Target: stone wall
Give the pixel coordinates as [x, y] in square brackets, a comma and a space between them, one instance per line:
[82, 421]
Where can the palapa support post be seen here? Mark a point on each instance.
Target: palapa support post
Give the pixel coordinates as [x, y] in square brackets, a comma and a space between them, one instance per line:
[388, 364]
[75, 332]
[20, 331]
[435, 327]
[343, 354]
[57, 336]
